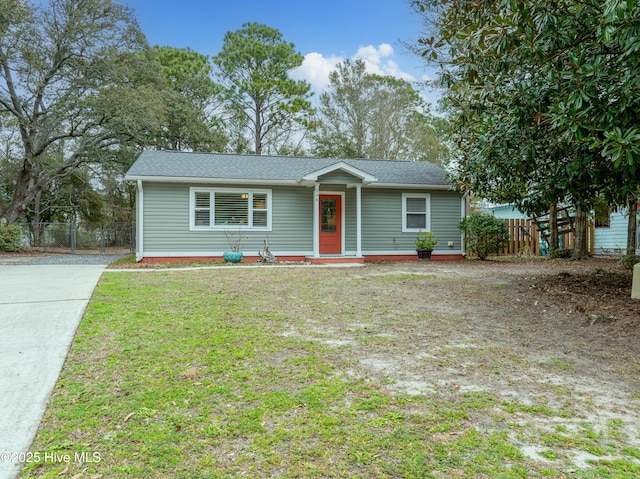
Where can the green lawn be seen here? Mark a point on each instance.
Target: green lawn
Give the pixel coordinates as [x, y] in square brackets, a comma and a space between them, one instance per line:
[209, 374]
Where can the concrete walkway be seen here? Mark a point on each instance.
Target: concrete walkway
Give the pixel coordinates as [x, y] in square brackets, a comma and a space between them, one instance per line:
[40, 308]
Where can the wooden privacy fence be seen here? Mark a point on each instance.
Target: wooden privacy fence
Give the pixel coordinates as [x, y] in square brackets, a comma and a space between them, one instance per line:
[524, 238]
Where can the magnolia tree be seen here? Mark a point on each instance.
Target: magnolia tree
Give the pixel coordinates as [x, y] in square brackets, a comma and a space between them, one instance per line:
[544, 99]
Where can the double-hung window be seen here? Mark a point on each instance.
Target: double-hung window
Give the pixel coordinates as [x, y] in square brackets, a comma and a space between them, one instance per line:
[416, 212]
[224, 208]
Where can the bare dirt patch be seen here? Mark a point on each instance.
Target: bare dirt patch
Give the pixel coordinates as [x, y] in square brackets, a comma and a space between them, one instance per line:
[577, 312]
[557, 340]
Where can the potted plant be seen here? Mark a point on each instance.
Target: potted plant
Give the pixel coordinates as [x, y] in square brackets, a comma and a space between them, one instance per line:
[425, 242]
[234, 241]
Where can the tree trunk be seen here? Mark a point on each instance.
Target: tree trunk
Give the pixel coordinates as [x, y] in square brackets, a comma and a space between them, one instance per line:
[20, 196]
[632, 226]
[580, 234]
[553, 231]
[36, 219]
[258, 124]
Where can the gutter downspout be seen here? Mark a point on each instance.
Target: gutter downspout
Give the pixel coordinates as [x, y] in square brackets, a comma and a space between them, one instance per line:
[140, 222]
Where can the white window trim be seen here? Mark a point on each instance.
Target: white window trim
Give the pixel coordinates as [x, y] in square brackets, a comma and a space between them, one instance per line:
[427, 198]
[251, 191]
[600, 226]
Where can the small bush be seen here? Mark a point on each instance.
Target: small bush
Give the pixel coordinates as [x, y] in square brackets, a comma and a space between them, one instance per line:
[484, 234]
[10, 238]
[628, 261]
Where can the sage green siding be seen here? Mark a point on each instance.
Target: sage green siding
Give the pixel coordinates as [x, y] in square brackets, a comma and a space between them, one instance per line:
[166, 222]
[167, 230]
[292, 219]
[382, 220]
[339, 177]
[446, 213]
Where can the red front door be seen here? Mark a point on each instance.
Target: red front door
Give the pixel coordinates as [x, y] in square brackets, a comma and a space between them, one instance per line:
[330, 224]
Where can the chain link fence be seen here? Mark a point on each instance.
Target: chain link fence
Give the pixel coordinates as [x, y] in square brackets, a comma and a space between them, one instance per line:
[79, 238]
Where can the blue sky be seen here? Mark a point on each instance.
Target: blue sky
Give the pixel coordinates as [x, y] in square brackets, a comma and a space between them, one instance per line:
[324, 31]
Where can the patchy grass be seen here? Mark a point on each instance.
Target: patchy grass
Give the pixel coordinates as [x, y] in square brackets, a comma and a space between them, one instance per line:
[259, 373]
[125, 261]
[129, 262]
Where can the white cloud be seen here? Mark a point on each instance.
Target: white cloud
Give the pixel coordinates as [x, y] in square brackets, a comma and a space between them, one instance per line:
[379, 60]
[374, 55]
[371, 54]
[315, 69]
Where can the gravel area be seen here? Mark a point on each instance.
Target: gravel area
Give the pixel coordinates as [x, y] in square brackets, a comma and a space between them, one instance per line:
[8, 259]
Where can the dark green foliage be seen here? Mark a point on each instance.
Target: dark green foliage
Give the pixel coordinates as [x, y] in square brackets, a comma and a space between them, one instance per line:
[189, 95]
[10, 238]
[484, 234]
[261, 101]
[543, 97]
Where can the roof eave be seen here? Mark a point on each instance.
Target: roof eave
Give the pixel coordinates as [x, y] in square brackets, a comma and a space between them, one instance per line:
[421, 186]
[253, 181]
[198, 179]
[312, 177]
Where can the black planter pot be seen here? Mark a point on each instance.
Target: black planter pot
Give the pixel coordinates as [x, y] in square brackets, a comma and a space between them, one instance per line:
[424, 253]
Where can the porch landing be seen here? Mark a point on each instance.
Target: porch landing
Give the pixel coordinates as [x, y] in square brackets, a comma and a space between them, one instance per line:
[335, 259]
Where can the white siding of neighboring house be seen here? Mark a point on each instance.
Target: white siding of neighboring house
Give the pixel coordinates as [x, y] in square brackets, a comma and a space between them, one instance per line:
[613, 239]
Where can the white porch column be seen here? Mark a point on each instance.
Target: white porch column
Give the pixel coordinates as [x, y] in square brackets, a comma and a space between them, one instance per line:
[359, 220]
[316, 221]
[139, 222]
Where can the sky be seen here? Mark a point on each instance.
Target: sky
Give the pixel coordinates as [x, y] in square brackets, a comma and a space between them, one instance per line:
[323, 31]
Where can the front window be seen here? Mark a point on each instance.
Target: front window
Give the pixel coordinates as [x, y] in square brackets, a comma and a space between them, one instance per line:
[415, 212]
[225, 208]
[329, 215]
[231, 208]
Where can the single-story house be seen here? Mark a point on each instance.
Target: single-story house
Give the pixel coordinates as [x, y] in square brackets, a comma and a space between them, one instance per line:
[314, 209]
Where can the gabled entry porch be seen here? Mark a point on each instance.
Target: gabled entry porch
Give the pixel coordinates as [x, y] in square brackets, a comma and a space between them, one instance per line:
[330, 221]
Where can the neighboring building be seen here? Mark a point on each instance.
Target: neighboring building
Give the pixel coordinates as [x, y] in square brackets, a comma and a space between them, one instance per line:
[610, 235]
[506, 211]
[319, 209]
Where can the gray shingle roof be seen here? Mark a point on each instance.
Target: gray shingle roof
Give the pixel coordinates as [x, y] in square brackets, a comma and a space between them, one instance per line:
[219, 166]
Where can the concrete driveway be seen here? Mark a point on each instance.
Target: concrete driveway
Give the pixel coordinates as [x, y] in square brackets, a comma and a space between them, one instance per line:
[40, 308]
